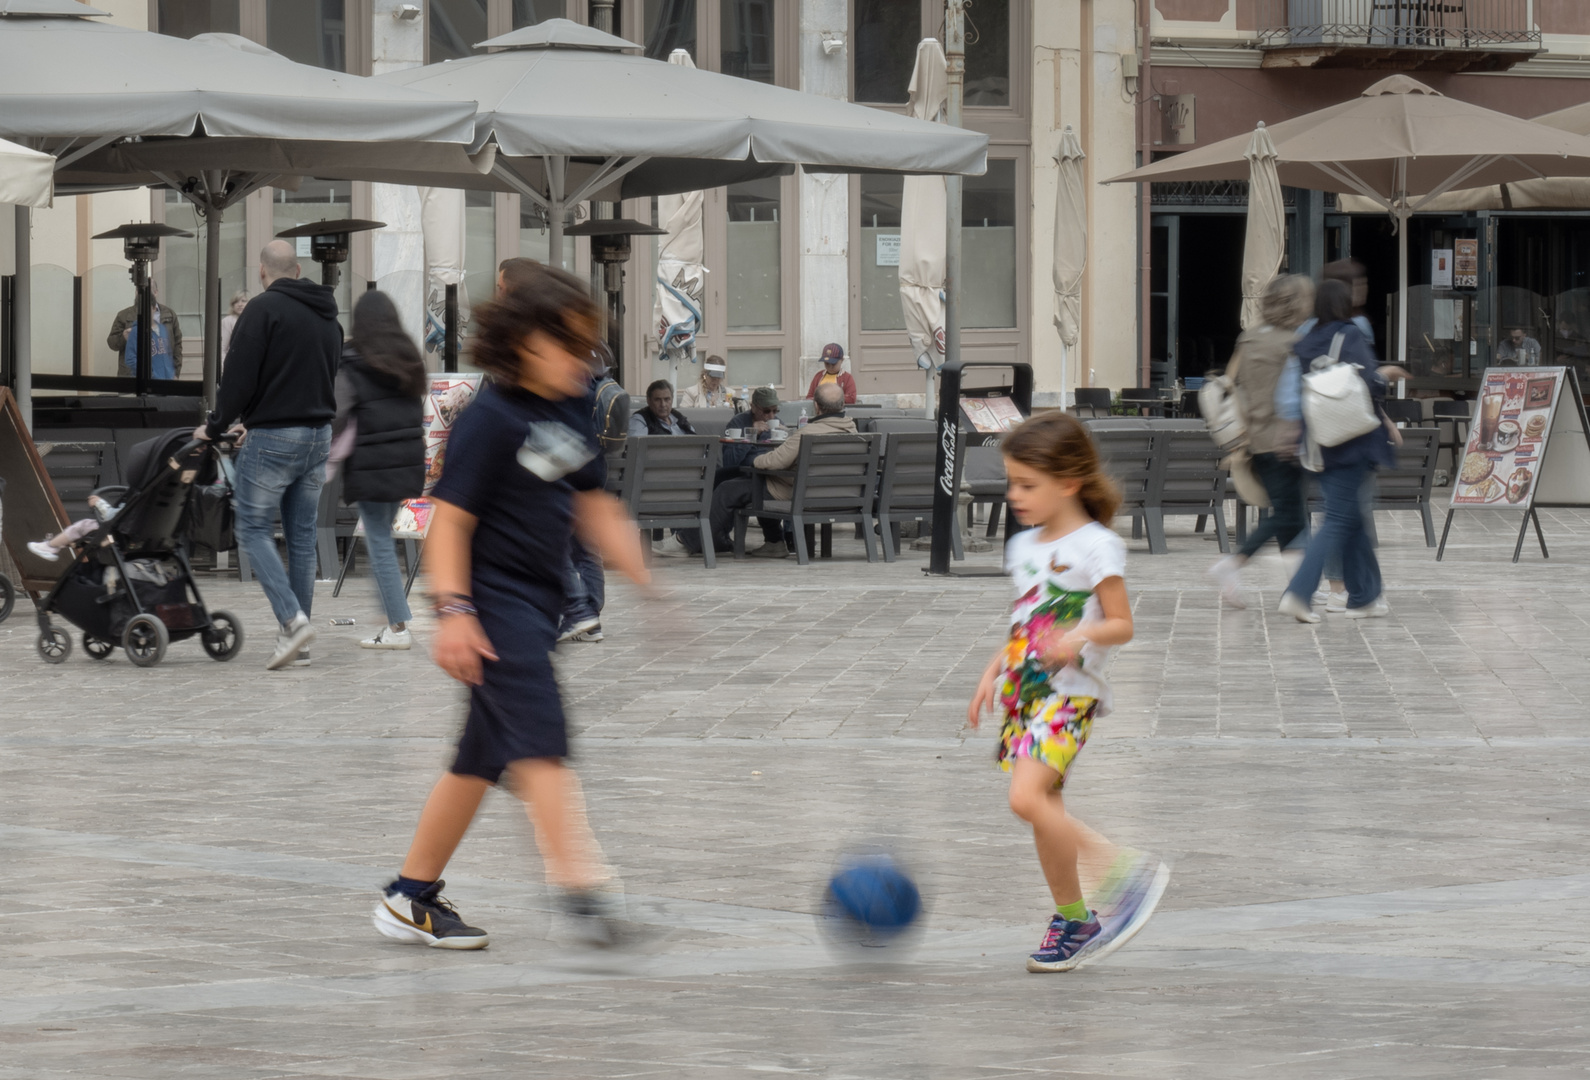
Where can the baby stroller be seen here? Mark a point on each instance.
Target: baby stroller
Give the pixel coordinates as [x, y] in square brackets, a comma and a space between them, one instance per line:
[131, 584]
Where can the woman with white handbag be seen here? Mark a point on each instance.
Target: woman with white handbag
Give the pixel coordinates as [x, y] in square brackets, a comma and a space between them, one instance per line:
[1345, 432]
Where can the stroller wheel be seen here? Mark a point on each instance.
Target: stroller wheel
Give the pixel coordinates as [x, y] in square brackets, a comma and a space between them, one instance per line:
[224, 639]
[55, 645]
[145, 640]
[98, 648]
[8, 597]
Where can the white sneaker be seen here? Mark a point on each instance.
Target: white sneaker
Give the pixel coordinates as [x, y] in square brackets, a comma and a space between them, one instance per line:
[1227, 574]
[671, 548]
[389, 638]
[1292, 604]
[1377, 610]
[302, 660]
[1336, 602]
[290, 641]
[44, 550]
[1320, 596]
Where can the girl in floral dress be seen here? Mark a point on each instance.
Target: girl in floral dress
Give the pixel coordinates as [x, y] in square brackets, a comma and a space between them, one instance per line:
[1071, 612]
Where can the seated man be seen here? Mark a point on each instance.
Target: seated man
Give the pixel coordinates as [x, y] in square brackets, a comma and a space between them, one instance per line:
[734, 494]
[1518, 349]
[761, 419]
[759, 422]
[659, 417]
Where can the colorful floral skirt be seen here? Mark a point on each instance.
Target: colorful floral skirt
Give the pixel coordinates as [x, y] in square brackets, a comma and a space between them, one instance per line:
[1051, 730]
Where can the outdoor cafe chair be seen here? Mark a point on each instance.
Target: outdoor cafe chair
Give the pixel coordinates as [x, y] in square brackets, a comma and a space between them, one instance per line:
[1191, 479]
[1409, 486]
[834, 479]
[905, 487]
[1149, 400]
[1094, 398]
[1405, 411]
[1458, 414]
[668, 481]
[1131, 455]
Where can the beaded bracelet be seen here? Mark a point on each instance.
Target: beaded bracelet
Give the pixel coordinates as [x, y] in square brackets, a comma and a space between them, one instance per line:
[460, 605]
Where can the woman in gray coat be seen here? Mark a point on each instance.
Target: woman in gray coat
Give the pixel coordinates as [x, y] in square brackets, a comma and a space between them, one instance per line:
[1256, 368]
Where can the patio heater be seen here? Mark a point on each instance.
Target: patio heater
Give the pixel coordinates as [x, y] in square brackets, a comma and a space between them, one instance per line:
[140, 245]
[329, 242]
[610, 249]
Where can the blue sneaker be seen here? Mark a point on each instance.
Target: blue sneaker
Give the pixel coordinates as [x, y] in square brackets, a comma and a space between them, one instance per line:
[1066, 944]
[1138, 898]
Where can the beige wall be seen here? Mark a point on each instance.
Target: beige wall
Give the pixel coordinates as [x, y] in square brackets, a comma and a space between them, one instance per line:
[1067, 49]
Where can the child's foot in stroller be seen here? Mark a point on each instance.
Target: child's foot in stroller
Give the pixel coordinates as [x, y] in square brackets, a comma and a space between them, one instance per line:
[293, 639]
[44, 550]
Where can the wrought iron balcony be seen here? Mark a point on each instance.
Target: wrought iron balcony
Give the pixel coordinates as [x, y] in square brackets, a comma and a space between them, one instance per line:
[1397, 35]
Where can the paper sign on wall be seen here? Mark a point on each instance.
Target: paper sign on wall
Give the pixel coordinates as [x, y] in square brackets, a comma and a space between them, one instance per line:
[1520, 415]
[888, 249]
[1466, 264]
[1441, 268]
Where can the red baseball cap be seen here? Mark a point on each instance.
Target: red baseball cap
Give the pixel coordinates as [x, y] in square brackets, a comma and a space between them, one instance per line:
[833, 351]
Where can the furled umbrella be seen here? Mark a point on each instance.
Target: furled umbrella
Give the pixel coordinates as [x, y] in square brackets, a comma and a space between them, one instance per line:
[72, 85]
[1400, 144]
[27, 177]
[1070, 249]
[681, 268]
[922, 214]
[1261, 251]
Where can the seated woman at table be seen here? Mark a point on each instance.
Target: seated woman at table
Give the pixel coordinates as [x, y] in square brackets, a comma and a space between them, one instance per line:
[709, 392]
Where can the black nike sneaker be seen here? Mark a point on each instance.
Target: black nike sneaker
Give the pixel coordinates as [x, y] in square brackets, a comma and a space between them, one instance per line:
[426, 919]
[593, 919]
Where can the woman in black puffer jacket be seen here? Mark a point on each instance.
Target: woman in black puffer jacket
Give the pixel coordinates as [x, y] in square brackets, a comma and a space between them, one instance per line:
[380, 392]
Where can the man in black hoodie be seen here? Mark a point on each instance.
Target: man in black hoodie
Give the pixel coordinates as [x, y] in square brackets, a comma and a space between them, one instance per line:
[279, 382]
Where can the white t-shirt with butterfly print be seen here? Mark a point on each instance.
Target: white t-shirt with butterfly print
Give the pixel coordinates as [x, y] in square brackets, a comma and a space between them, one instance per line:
[1055, 583]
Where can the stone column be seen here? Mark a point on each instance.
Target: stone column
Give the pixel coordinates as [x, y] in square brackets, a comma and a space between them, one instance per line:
[824, 198]
[397, 252]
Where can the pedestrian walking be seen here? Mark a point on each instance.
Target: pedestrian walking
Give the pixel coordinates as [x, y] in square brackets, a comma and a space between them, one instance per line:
[379, 435]
[1256, 369]
[280, 382]
[582, 610]
[1070, 614]
[521, 473]
[1345, 467]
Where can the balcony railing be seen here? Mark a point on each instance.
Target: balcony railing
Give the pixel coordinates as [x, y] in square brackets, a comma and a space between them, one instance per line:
[1484, 25]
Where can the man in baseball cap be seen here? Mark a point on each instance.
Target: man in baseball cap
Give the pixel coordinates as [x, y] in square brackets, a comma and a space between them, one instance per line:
[833, 372]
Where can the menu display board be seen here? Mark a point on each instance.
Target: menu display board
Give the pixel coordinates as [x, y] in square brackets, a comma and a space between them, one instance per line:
[991, 415]
[446, 398]
[1528, 446]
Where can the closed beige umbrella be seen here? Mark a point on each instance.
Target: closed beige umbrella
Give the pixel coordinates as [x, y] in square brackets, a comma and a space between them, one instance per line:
[1400, 144]
[922, 239]
[681, 271]
[1070, 250]
[1261, 253]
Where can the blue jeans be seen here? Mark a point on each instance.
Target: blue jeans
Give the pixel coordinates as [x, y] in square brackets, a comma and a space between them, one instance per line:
[1344, 532]
[587, 588]
[377, 518]
[282, 469]
[1366, 503]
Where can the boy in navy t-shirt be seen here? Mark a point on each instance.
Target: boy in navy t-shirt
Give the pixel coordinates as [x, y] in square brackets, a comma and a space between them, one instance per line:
[523, 470]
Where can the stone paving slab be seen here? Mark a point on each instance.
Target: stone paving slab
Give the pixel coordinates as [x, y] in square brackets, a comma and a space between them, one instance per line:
[1378, 831]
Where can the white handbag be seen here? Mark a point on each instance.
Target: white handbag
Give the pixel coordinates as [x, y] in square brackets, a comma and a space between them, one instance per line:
[1336, 402]
[1220, 404]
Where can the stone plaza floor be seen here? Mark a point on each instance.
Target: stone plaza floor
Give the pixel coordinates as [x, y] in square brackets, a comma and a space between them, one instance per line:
[1378, 830]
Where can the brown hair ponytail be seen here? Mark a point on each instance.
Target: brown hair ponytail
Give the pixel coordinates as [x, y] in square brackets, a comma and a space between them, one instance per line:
[1058, 444]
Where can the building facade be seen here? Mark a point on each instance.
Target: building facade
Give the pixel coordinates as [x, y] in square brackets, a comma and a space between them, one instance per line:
[799, 261]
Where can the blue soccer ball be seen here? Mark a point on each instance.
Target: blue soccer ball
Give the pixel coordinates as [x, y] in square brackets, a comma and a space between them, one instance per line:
[875, 895]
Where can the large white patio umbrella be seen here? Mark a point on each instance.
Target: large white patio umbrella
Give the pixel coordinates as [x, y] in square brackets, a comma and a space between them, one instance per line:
[1070, 250]
[922, 226]
[27, 177]
[681, 268]
[1261, 249]
[573, 116]
[72, 86]
[1400, 144]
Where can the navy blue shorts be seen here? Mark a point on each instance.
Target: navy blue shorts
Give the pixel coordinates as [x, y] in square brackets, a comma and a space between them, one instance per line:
[516, 711]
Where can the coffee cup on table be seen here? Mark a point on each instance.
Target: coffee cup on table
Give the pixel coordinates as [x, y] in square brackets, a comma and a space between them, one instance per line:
[734, 433]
